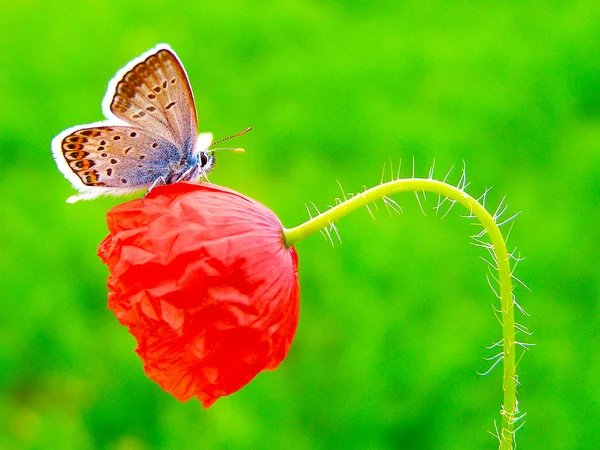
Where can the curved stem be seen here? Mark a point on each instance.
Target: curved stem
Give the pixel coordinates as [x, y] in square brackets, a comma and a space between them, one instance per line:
[509, 409]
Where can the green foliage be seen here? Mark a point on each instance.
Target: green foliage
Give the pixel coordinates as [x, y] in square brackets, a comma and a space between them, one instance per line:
[391, 333]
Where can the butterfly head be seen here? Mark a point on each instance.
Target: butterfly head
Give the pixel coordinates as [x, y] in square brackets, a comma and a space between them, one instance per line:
[207, 161]
[206, 156]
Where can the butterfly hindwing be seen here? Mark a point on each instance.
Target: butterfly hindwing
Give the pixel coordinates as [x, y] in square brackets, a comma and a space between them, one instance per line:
[117, 157]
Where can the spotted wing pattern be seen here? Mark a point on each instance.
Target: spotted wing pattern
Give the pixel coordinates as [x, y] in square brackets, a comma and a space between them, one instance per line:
[149, 137]
[119, 157]
[155, 95]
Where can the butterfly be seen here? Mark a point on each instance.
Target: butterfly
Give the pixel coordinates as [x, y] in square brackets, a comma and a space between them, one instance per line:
[150, 135]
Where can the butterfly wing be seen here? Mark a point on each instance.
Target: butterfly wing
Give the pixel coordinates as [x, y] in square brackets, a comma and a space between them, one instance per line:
[151, 128]
[153, 93]
[113, 159]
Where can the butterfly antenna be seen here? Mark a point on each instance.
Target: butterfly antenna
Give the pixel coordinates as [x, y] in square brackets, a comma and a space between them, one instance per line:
[229, 137]
[232, 149]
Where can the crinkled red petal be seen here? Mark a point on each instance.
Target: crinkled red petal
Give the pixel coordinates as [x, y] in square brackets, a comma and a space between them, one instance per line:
[201, 276]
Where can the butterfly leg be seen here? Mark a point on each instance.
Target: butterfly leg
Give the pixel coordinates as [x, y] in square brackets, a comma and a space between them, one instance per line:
[160, 181]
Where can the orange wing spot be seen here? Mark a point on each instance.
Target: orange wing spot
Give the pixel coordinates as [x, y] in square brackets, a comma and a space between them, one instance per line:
[75, 139]
[121, 104]
[142, 71]
[164, 55]
[153, 63]
[134, 79]
[82, 164]
[76, 156]
[68, 147]
[90, 177]
[125, 90]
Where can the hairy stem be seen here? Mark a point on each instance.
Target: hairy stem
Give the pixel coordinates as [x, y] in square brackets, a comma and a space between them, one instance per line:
[509, 409]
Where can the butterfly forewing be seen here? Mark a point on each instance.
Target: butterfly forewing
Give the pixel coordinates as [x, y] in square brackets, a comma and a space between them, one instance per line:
[118, 157]
[156, 95]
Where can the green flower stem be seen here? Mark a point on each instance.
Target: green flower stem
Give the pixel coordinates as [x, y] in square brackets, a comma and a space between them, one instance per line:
[509, 409]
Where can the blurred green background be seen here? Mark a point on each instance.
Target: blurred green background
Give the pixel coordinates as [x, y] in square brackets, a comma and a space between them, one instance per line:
[395, 321]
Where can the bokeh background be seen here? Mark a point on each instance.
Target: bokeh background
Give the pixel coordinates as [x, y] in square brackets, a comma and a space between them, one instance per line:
[395, 320]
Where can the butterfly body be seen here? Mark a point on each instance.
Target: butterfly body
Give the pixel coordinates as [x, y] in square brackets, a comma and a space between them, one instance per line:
[149, 137]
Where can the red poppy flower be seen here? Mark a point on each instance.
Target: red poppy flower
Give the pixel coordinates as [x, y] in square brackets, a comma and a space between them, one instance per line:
[201, 276]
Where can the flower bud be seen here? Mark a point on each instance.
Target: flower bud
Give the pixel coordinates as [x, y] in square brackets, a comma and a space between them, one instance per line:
[203, 280]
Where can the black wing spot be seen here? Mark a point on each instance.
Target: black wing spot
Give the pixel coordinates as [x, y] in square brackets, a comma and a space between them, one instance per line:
[102, 142]
[142, 156]
[123, 180]
[173, 81]
[170, 105]
[116, 138]
[104, 155]
[165, 83]
[151, 96]
[133, 134]
[154, 145]
[101, 148]
[109, 171]
[157, 89]
[113, 161]
[128, 149]
[150, 108]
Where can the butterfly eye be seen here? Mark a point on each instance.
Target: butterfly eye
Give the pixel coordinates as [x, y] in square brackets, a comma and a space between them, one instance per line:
[203, 159]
